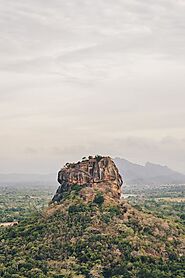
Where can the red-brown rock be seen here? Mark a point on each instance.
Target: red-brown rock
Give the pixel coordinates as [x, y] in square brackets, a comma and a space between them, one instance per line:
[95, 174]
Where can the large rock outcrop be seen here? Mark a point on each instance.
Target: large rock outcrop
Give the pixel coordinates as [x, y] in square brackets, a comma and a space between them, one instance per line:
[95, 174]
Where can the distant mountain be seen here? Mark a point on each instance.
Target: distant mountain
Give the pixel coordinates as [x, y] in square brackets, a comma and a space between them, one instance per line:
[27, 179]
[148, 174]
[132, 174]
[87, 231]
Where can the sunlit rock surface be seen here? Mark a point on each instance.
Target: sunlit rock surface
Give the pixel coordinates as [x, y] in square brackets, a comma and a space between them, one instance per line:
[95, 174]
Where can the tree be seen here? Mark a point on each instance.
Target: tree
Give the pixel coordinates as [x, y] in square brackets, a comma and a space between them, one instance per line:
[99, 199]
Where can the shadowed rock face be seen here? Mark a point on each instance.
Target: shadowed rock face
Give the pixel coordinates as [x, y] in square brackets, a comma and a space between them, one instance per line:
[93, 174]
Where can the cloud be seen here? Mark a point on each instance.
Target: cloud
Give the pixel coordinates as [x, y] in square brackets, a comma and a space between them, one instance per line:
[91, 76]
[60, 37]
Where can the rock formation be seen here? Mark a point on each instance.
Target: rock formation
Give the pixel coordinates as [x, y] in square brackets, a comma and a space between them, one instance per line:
[95, 174]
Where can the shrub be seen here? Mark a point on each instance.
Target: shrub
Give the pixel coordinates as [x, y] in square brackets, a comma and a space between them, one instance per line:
[99, 199]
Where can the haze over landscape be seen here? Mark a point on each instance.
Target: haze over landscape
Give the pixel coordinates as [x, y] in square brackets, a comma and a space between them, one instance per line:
[92, 172]
[132, 173]
[85, 77]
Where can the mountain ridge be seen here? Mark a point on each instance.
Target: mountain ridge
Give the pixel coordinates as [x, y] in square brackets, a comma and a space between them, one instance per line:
[150, 173]
[133, 174]
[92, 238]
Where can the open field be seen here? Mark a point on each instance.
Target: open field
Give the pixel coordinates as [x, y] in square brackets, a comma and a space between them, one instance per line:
[168, 199]
[18, 202]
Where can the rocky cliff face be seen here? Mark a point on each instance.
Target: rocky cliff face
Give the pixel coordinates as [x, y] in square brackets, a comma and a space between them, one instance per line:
[95, 174]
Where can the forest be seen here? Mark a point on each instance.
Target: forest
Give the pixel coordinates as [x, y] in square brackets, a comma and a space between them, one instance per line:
[141, 237]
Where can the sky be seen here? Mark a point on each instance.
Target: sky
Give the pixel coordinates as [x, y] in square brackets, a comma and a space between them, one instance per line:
[81, 77]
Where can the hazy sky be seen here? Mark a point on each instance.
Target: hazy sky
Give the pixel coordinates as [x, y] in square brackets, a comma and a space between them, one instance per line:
[81, 77]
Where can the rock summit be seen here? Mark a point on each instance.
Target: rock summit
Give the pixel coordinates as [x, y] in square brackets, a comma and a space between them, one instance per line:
[92, 175]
